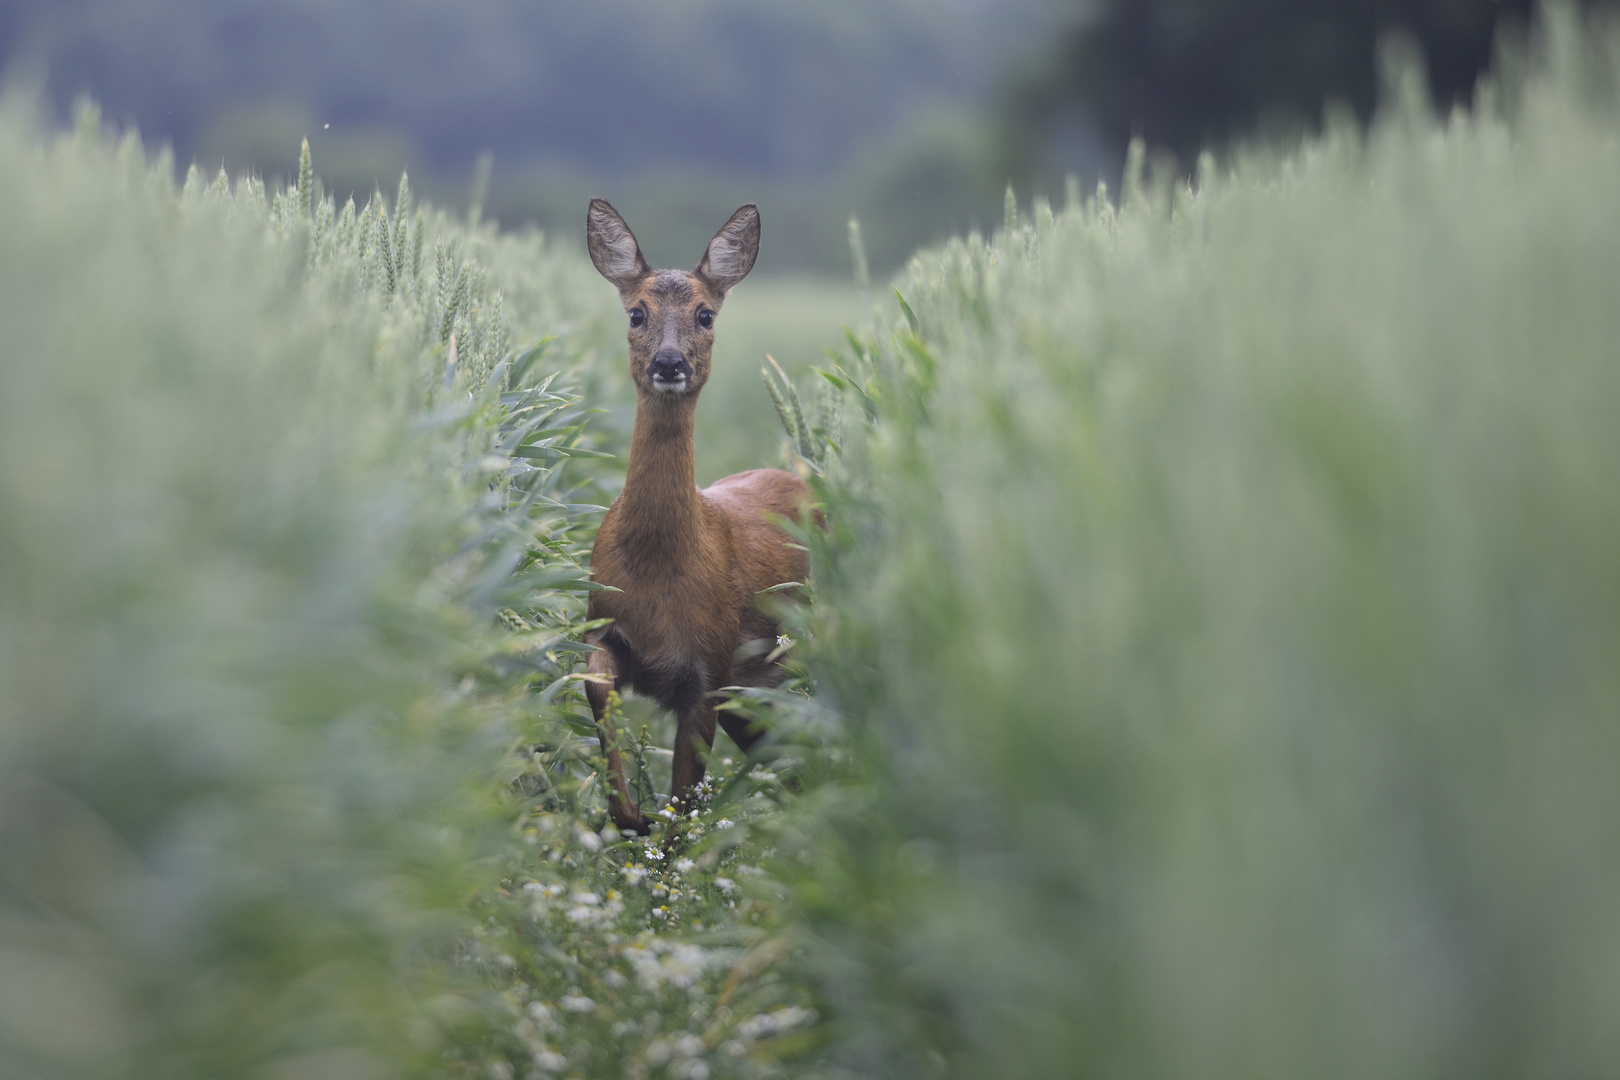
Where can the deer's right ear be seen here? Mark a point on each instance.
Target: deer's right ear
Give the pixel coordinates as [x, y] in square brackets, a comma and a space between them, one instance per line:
[613, 247]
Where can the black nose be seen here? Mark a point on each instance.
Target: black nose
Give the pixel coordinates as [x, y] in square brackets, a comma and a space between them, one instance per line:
[669, 365]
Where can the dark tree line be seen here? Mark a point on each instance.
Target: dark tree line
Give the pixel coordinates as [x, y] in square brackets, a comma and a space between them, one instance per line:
[1186, 75]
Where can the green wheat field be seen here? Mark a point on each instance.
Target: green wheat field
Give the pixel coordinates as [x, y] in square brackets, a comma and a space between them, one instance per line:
[1211, 665]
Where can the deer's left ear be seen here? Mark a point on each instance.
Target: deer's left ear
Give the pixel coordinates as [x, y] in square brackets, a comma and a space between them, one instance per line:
[732, 252]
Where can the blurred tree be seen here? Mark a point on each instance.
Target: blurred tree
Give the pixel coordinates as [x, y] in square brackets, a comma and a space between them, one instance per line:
[1189, 74]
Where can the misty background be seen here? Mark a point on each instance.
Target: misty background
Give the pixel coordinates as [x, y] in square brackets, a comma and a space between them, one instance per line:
[912, 116]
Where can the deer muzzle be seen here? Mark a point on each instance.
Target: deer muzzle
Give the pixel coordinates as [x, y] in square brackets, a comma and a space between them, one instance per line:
[669, 371]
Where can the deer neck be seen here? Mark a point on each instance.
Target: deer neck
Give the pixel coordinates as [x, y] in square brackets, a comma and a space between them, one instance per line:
[660, 505]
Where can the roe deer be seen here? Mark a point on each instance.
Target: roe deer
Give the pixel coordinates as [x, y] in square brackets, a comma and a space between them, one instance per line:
[688, 564]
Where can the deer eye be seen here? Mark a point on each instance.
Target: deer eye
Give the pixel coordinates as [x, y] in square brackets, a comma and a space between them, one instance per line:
[637, 317]
[706, 319]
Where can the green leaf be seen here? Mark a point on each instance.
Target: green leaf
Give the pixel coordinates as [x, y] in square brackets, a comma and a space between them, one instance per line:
[905, 309]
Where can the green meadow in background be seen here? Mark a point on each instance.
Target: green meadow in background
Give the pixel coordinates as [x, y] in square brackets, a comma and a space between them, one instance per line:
[1210, 670]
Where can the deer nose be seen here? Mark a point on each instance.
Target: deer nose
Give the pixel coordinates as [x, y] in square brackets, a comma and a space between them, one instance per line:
[669, 366]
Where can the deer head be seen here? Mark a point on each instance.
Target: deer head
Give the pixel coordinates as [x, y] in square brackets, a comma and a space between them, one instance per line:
[671, 312]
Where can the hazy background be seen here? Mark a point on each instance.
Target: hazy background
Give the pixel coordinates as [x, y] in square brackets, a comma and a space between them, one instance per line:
[677, 112]
[912, 115]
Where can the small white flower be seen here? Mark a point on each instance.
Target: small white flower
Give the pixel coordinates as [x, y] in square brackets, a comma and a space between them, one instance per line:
[775, 1022]
[683, 865]
[589, 840]
[549, 1060]
[725, 885]
[577, 1003]
[723, 823]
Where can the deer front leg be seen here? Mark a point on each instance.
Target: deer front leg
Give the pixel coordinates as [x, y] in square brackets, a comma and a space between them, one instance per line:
[693, 721]
[600, 682]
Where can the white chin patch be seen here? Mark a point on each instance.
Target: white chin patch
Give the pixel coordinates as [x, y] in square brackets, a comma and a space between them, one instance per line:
[671, 386]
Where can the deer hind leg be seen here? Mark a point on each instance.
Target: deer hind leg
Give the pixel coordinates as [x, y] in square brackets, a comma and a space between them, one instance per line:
[744, 732]
[754, 664]
[603, 680]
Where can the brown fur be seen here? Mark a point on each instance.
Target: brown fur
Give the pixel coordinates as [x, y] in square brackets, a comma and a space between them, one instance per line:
[689, 564]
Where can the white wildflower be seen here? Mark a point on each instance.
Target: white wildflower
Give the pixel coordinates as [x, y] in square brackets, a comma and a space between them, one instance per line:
[776, 1022]
[577, 1003]
[683, 865]
[659, 963]
[549, 1060]
[723, 823]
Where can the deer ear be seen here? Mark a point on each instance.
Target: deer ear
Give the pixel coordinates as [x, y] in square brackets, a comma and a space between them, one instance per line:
[732, 252]
[613, 247]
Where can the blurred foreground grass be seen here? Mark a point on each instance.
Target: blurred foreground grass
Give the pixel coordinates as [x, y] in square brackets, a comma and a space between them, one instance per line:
[296, 779]
[1225, 611]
